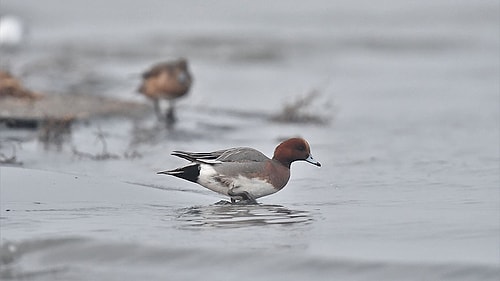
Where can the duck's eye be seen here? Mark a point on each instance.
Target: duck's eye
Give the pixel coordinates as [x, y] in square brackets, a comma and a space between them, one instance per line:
[301, 148]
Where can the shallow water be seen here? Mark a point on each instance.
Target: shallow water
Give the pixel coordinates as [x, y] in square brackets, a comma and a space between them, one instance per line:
[408, 188]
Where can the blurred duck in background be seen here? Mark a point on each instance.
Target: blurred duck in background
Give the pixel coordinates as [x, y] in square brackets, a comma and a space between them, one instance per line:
[169, 81]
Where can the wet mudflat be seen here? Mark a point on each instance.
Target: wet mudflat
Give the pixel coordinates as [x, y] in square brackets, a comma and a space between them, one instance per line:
[399, 104]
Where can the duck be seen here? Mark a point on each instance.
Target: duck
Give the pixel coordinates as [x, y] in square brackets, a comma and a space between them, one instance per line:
[169, 81]
[243, 173]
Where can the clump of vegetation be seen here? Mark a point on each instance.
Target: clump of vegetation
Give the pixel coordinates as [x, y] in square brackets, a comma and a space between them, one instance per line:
[55, 131]
[133, 154]
[299, 111]
[105, 154]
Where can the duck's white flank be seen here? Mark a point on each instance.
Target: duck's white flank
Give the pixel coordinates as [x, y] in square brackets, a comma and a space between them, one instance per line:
[256, 187]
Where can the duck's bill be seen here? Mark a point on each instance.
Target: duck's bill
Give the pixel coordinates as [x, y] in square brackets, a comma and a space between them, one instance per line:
[311, 160]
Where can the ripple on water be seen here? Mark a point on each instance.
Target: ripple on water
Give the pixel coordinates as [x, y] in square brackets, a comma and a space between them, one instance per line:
[234, 216]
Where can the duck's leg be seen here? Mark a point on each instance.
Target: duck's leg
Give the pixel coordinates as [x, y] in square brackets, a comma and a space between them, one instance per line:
[156, 105]
[170, 117]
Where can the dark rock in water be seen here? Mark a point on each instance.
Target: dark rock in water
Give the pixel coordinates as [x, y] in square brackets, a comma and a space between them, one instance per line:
[20, 123]
[31, 114]
[53, 115]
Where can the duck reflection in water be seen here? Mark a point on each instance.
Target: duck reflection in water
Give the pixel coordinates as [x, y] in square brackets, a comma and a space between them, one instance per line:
[227, 215]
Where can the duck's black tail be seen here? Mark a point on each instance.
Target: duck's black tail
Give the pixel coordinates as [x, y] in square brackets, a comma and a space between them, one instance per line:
[190, 172]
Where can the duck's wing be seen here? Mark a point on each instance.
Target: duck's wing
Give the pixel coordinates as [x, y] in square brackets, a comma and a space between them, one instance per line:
[155, 70]
[198, 157]
[237, 154]
[242, 154]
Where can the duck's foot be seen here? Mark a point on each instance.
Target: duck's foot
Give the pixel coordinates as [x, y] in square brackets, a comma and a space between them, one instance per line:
[170, 118]
[241, 198]
[223, 202]
[246, 202]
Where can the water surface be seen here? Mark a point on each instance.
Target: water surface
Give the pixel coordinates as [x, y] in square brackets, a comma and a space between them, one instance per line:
[408, 188]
